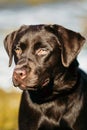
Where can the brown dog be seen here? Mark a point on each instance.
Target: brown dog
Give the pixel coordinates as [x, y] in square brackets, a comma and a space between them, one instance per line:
[54, 88]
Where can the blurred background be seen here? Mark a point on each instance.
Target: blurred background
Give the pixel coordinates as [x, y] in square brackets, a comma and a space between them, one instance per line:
[13, 13]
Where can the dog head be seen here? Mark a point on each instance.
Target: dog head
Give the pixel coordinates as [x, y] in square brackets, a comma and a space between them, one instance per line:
[40, 52]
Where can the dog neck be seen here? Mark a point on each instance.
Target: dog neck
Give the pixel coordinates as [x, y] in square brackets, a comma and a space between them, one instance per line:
[48, 94]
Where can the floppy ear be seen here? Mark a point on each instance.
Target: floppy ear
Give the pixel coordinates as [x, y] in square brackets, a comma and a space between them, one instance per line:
[8, 43]
[70, 43]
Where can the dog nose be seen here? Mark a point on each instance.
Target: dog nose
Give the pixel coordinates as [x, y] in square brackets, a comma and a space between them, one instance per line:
[19, 73]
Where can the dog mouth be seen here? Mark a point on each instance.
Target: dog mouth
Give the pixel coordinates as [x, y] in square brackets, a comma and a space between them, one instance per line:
[33, 85]
[23, 86]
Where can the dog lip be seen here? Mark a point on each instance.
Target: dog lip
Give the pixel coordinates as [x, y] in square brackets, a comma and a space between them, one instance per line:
[25, 87]
[46, 81]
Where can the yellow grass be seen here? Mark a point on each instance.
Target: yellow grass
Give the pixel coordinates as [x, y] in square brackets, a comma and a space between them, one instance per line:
[9, 104]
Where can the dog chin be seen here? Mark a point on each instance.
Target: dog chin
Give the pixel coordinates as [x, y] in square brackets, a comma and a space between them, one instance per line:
[28, 88]
[23, 87]
[34, 86]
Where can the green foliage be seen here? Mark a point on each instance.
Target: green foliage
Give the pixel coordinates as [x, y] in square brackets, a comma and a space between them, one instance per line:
[9, 104]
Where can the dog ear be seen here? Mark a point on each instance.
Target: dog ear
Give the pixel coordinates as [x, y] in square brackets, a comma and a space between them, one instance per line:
[8, 43]
[70, 44]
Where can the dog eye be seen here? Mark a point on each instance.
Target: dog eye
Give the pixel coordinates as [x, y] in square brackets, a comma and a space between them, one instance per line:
[41, 51]
[18, 50]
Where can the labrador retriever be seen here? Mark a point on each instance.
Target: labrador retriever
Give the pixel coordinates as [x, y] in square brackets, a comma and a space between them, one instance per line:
[54, 88]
